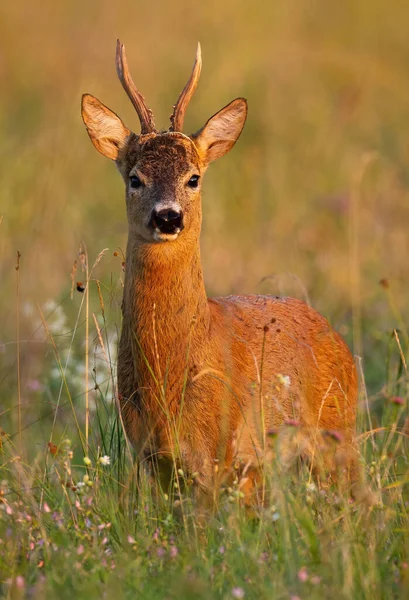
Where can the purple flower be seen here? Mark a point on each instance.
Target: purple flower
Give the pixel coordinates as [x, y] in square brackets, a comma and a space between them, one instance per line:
[237, 592]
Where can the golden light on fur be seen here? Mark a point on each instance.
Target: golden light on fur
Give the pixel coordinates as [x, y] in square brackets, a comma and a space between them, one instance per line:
[203, 379]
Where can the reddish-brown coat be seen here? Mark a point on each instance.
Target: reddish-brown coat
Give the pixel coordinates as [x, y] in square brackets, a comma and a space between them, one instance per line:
[205, 379]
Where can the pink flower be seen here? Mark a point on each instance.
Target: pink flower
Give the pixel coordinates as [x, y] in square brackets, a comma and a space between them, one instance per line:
[334, 434]
[303, 574]
[34, 385]
[397, 400]
[237, 592]
[292, 423]
[173, 552]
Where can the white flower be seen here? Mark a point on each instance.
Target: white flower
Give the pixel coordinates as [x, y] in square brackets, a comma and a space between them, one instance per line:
[275, 516]
[80, 484]
[311, 486]
[285, 380]
[104, 460]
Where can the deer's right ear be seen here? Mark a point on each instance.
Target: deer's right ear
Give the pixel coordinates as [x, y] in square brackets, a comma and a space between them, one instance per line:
[105, 128]
[221, 131]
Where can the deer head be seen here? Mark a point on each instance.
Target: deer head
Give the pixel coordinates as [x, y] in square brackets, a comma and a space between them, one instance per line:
[162, 170]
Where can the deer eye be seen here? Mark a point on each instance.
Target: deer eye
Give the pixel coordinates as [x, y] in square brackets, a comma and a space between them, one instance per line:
[135, 182]
[194, 181]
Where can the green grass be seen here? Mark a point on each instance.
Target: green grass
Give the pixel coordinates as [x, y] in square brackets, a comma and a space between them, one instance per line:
[73, 526]
[313, 202]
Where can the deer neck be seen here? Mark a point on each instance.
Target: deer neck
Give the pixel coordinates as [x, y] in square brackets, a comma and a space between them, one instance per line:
[166, 313]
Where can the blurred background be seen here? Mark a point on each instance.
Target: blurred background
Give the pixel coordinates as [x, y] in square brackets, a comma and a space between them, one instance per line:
[313, 201]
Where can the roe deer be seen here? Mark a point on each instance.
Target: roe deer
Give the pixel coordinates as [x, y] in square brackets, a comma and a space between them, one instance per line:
[204, 379]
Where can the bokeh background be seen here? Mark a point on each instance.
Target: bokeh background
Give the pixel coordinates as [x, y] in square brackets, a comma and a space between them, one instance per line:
[313, 201]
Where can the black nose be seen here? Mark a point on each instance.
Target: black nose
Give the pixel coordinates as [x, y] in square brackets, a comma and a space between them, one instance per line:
[167, 220]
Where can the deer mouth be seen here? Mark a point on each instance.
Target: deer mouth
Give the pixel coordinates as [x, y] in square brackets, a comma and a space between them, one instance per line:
[158, 236]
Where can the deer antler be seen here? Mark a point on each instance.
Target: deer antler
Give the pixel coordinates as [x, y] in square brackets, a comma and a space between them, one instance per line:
[144, 113]
[180, 107]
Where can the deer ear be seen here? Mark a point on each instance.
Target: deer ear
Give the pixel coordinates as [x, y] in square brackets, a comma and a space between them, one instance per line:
[221, 131]
[105, 128]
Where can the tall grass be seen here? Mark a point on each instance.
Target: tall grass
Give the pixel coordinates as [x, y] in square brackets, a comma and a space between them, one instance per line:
[83, 517]
[313, 201]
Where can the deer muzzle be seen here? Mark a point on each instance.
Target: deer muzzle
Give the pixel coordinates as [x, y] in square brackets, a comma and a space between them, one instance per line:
[167, 221]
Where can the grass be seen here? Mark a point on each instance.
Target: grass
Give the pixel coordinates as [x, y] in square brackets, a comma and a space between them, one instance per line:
[79, 515]
[313, 202]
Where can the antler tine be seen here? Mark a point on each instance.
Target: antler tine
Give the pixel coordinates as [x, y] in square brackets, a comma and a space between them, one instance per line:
[144, 113]
[180, 107]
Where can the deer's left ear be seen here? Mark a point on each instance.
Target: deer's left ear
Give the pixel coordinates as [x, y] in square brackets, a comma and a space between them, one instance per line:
[105, 128]
[221, 131]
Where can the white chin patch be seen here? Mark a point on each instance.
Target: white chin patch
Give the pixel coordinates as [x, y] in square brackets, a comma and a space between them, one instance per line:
[158, 236]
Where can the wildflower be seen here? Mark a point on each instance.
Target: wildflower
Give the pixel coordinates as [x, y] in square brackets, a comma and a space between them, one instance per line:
[222, 550]
[303, 574]
[272, 433]
[104, 460]
[87, 461]
[334, 435]
[237, 592]
[292, 423]
[275, 516]
[397, 400]
[173, 551]
[160, 552]
[311, 487]
[20, 583]
[46, 508]
[284, 380]
[34, 385]
[80, 485]
[131, 540]
[80, 550]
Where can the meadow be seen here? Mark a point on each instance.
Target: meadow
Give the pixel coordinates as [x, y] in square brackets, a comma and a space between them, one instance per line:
[312, 202]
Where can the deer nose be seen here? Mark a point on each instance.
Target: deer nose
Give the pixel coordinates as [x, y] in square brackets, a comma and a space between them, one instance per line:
[167, 220]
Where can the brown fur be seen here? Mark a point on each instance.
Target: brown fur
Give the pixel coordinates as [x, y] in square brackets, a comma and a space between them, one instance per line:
[203, 379]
